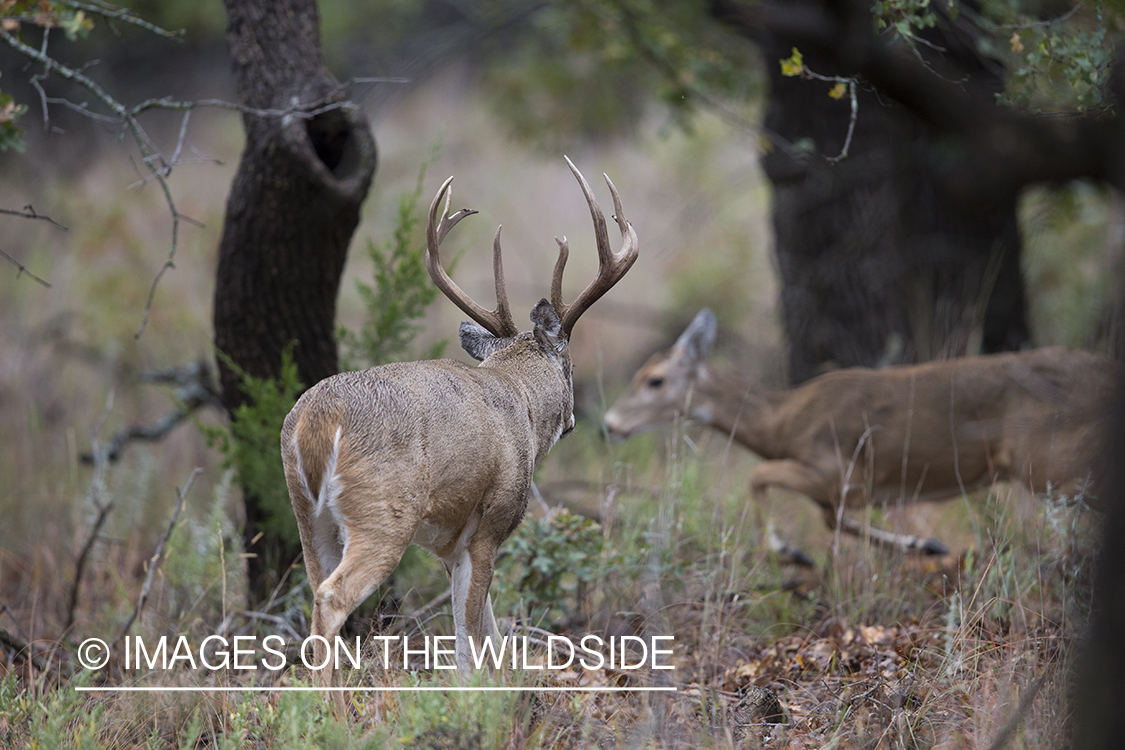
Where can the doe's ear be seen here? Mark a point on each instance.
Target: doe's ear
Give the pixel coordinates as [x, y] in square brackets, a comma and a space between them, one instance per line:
[697, 339]
[478, 342]
[548, 327]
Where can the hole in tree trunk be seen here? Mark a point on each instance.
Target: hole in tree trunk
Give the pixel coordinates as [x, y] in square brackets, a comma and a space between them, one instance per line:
[330, 133]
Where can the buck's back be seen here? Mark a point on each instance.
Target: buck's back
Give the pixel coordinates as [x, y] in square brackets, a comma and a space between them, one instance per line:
[443, 422]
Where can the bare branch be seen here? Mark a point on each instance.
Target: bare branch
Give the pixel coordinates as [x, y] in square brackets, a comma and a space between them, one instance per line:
[107, 11]
[850, 81]
[83, 556]
[195, 389]
[149, 155]
[66, 72]
[28, 212]
[851, 124]
[82, 109]
[23, 270]
[168, 265]
[159, 168]
[18, 646]
[302, 111]
[182, 137]
[96, 483]
[154, 561]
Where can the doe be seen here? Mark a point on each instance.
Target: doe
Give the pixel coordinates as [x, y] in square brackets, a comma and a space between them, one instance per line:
[857, 436]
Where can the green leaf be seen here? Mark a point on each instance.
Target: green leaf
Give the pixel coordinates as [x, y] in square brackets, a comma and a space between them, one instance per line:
[793, 65]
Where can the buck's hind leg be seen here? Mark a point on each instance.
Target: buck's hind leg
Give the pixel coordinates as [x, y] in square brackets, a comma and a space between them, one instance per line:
[479, 619]
[470, 574]
[370, 554]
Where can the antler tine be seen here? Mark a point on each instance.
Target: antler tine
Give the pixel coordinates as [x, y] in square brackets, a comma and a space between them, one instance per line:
[448, 221]
[611, 266]
[502, 309]
[498, 322]
[557, 277]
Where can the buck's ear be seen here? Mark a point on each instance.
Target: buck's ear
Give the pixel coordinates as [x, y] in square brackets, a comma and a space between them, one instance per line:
[697, 339]
[548, 327]
[478, 342]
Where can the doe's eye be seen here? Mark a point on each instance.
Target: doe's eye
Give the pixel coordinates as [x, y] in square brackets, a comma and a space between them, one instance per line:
[655, 382]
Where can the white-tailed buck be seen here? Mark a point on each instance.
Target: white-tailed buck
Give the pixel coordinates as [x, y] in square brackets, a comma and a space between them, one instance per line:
[437, 453]
[858, 436]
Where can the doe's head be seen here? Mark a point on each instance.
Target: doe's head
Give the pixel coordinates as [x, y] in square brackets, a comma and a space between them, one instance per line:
[660, 390]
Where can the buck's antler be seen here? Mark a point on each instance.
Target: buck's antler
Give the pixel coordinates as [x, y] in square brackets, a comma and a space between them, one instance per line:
[498, 322]
[611, 266]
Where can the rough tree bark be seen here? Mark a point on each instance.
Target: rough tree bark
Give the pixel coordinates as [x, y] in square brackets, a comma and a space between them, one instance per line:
[293, 207]
[879, 264]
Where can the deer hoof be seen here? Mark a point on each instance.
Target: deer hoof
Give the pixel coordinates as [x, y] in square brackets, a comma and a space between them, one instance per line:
[799, 558]
[934, 546]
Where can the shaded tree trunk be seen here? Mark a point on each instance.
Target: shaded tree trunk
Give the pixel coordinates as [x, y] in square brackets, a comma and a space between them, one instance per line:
[879, 264]
[293, 207]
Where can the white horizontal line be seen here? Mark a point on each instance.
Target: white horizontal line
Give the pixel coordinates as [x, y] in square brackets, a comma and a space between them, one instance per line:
[425, 689]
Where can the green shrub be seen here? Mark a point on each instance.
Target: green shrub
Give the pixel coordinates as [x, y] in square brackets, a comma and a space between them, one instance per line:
[400, 296]
[550, 563]
[250, 445]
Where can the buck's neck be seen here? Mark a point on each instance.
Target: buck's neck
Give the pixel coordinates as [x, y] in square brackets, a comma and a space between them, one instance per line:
[731, 406]
[545, 395]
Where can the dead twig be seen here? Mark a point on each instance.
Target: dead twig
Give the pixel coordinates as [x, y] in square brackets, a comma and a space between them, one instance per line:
[18, 647]
[29, 212]
[23, 270]
[154, 561]
[1013, 724]
[103, 514]
[196, 389]
[80, 565]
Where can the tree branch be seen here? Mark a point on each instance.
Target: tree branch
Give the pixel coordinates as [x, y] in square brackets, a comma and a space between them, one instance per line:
[159, 167]
[28, 212]
[23, 270]
[997, 151]
[103, 513]
[154, 561]
[196, 388]
[114, 13]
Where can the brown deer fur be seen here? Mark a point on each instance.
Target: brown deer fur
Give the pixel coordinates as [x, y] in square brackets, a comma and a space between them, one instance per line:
[859, 436]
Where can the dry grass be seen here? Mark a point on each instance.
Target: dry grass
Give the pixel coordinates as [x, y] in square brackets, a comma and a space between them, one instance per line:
[872, 650]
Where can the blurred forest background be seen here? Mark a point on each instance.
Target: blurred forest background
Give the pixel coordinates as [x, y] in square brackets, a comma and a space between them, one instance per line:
[825, 223]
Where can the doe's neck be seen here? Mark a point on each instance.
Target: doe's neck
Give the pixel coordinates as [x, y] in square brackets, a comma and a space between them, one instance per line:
[734, 407]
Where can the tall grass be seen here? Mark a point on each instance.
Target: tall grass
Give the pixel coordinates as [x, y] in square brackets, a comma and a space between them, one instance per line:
[873, 649]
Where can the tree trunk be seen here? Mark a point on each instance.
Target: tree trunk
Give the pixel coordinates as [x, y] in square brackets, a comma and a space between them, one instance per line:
[293, 207]
[878, 264]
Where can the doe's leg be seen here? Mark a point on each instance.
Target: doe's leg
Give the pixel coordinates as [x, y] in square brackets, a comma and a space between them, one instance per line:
[906, 542]
[791, 475]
